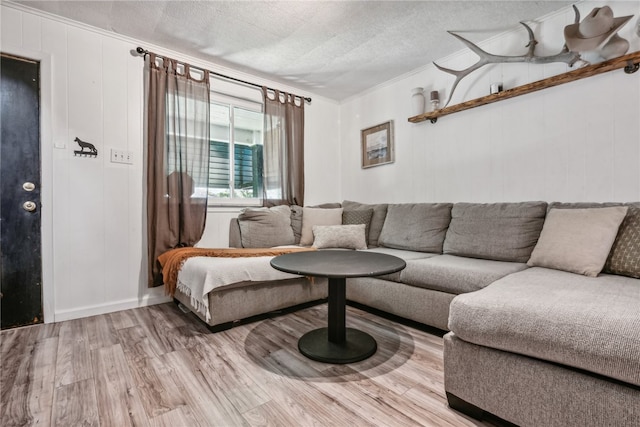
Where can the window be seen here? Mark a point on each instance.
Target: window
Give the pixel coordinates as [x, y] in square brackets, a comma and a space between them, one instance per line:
[235, 169]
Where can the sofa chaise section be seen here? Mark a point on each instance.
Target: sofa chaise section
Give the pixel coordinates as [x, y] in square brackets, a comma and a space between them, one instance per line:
[557, 344]
[589, 323]
[531, 392]
[245, 300]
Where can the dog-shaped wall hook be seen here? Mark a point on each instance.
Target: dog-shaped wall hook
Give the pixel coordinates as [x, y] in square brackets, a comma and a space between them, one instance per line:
[93, 151]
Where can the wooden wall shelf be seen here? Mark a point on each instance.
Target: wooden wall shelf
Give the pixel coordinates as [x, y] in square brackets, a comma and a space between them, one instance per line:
[630, 63]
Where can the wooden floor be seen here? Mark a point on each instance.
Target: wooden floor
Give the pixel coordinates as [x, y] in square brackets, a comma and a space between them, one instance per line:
[155, 366]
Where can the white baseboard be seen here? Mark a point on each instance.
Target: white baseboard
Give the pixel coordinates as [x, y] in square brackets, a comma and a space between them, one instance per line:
[93, 310]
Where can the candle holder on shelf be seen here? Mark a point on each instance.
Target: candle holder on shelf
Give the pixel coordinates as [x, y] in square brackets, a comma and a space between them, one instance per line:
[435, 100]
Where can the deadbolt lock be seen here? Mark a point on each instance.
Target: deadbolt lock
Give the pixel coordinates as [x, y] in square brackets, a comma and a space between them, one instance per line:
[28, 186]
[29, 206]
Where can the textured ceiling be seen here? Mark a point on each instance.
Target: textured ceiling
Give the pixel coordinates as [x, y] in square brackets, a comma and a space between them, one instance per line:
[332, 48]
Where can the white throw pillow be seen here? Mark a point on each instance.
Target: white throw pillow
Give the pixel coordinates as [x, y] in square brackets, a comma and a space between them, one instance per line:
[340, 236]
[317, 216]
[577, 240]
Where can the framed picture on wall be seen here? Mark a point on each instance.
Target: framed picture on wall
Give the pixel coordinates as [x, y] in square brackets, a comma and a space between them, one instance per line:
[377, 145]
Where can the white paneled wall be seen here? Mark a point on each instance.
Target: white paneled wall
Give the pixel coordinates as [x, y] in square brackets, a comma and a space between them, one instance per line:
[97, 249]
[575, 142]
[96, 209]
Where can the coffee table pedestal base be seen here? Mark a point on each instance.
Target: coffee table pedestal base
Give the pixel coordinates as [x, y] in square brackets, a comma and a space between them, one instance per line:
[357, 346]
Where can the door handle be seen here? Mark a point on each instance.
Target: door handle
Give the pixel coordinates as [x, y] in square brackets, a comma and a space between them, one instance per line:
[29, 206]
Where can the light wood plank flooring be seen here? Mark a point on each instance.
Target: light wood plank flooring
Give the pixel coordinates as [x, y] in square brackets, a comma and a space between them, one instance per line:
[156, 366]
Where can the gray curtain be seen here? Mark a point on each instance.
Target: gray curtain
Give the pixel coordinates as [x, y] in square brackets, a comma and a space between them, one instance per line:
[177, 158]
[283, 180]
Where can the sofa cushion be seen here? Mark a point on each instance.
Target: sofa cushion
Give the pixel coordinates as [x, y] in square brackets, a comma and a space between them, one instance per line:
[416, 226]
[405, 255]
[454, 274]
[317, 216]
[358, 216]
[377, 220]
[266, 227]
[624, 258]
[577, 240]
[339, 236]
[498, 231]
[590, 323]
[400, 253]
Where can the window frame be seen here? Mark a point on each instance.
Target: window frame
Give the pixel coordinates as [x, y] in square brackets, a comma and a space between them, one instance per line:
[232, 102]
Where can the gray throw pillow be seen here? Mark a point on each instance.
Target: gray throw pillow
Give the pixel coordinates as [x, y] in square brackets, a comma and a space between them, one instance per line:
[354, 217]
[496, 231]
[419, 227]
[377, 219]
[266, 227]
[577, 240]
[339, 236]
[624, 258]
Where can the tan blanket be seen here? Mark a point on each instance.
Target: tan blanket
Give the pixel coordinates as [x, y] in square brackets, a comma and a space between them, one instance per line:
[172, 260]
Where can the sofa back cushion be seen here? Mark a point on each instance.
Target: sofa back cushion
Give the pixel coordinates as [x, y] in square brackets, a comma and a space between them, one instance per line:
[498, 231]
[377, 220]
[266, 227]
[417, 227]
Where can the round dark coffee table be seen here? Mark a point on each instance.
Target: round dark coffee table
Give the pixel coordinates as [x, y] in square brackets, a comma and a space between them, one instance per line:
[336, 343]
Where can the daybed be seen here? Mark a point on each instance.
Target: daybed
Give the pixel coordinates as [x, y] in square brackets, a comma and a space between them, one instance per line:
[534, 340]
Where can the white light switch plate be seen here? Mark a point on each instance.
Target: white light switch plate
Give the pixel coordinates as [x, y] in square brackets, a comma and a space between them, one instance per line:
[121, 156]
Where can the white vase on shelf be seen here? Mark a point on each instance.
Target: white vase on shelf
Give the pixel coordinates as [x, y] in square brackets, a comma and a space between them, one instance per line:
[417, 101]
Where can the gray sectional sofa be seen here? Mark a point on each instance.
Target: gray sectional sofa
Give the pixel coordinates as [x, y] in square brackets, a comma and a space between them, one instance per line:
[537, 334]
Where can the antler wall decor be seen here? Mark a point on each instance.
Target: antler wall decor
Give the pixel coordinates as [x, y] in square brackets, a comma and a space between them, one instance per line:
[486, 58]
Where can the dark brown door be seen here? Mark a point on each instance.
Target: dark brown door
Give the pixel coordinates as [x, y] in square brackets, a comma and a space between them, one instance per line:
[20, 243]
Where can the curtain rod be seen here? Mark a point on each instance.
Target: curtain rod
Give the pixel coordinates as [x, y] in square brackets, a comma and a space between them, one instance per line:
[145, 52]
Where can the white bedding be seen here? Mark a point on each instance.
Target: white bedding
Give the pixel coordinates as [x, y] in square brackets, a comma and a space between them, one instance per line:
[200, 275]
